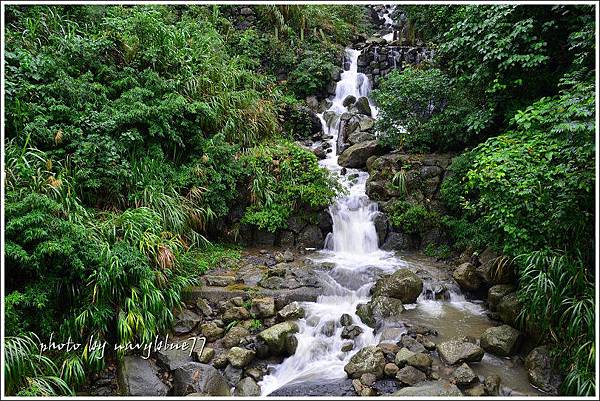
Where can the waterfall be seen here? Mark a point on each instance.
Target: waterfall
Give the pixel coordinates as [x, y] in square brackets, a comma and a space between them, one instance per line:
[353, 248]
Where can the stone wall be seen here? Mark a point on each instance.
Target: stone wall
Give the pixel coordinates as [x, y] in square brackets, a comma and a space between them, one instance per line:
[378, 58]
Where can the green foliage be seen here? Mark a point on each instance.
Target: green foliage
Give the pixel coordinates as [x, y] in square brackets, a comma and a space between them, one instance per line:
[421, 110]
[27, 372]
[285, 178]
[311, 74]
[412, 218]
[438, 251]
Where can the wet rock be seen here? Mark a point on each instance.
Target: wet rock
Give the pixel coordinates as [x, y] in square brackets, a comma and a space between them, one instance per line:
[390, 369]
[291, 344]
[207, 355]
[240, 357]
[420, 361]
[541, 372]
[211, 331]
[410, 376]
[139, 377]
[457, 351]
[402, 284]
[246, 387]
[263, 307]
[497, 292]
[362, 106]
[291, 311]
[350, 332]
[356, 155]
[386, 309]
[397, 242]
[255, 373]
[236, 313]
[466, 276]
[509, 309]
[364, 312]
[219, 281]
[367, 360]
[439, 388]
[195, 377]
[349, 101]
[492, 385]
[346, 320]
[412, 344]
[347, 347]
[464, 376]
[275, 336]
[185, 321]
[402, 356]
[382, 226]
[502, 340]
[234, 336]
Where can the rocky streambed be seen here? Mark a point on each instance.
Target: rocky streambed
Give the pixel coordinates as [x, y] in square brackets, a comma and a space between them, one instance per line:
[430, 341]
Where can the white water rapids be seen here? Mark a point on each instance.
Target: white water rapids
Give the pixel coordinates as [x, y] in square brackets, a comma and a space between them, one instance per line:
[353, 250]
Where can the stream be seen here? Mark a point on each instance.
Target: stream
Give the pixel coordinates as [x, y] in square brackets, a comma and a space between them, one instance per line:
[353, 249]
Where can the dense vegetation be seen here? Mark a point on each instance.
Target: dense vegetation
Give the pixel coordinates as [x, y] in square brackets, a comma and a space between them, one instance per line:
[132, 133]
[514, 85]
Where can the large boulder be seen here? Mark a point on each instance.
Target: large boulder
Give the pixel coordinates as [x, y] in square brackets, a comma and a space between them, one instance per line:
[173, 357]
[410, 376]
[457, 351]
[356, 155]
[439, 388]
[464, 376]
[502, 340]
[385, 309]
[240, 357]
[509, 309]
[466, 276]
[310, 237]
[139, 377]
[263, 307]
[541, 372]
[234, 336]
[382, 227]
[362, 106]
[495, 269]
[291, 311]
[276, 337]
[398, 242]
[402, 284]
[246, 387]
[195, 377]
[497, 292]
[185, 321]
[367, 360]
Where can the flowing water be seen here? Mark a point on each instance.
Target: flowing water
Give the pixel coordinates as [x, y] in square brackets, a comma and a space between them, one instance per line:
[353, 249]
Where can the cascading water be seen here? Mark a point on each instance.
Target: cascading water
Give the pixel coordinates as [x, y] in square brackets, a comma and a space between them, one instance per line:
[352, 248]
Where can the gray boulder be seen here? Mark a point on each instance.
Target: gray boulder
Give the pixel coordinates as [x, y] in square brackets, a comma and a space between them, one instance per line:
[386, 309]
[240, 357]
[495, 269]
[185, 321]
[362, 106]
[502, 340]
[291, 311]
[397, 242]
[466, 276]
[172, 358]
[234, 336]
[195, 377]
[356, 155]
[439, 388]
[541, 372]
[139, 377]
[509, 309]
[276, 337]
[464, 376]
[246, 387]
[402, 284]
[263, 307]
[497, 292]
[420, 361]
[310, 237]
[367, 360]
[456, 351]
[410, 376]
[382, 227]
